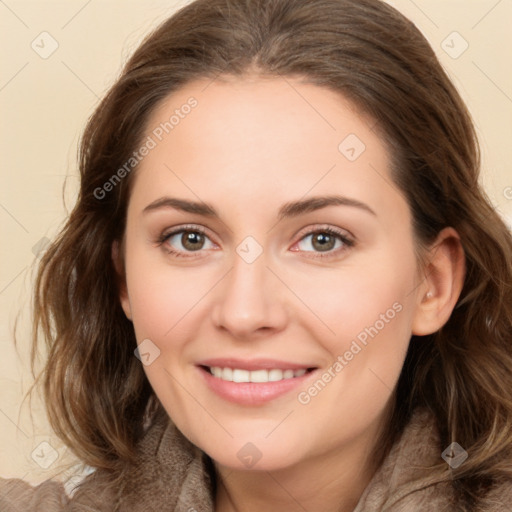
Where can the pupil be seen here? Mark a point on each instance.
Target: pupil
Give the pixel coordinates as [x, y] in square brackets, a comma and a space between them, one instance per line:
[192, 241]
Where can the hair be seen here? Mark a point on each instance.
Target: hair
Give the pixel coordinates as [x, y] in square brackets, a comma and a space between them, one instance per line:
[96, 392]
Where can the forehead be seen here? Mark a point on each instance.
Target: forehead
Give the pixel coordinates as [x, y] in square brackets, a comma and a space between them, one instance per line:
[238, 137]
[276, 115]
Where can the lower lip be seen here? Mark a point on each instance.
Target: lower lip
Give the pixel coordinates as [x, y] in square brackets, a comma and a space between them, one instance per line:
[252, 393]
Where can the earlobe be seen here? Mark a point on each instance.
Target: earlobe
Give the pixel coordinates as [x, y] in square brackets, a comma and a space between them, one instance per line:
[442, 283]
[117, 259]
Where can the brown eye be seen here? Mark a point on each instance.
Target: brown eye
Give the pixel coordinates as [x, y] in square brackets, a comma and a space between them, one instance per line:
[183, 241]
[323, 241]
[192, 240]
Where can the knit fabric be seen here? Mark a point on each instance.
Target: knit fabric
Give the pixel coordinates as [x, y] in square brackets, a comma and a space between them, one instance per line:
[172, 475]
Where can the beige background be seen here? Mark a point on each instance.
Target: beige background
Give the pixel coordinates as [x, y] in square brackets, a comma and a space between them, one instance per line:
[45, 102]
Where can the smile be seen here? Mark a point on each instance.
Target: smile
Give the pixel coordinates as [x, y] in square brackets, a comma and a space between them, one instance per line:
[258, 376]
[253, 382]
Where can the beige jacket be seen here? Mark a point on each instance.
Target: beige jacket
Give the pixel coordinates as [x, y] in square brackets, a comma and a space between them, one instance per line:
[173, 475]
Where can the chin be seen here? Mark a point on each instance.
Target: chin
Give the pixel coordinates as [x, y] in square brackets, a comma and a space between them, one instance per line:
[258, 455]
[254, 460]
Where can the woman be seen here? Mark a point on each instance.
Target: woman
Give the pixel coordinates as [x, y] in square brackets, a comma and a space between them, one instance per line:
[281, 287]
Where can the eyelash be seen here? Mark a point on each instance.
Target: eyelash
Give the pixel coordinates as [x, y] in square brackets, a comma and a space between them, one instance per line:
[347, 242]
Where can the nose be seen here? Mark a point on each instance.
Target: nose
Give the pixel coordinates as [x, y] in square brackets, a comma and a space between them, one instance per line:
[250, 301]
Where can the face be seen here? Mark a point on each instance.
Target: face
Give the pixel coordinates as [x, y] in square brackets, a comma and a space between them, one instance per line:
[270, 270]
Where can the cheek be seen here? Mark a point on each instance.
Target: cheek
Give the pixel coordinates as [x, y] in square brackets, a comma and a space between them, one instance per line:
[366, 314]
[371, 320]
[161, 297]
[359, 301]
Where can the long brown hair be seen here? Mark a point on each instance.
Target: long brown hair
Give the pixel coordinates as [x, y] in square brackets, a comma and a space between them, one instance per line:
[96, 392]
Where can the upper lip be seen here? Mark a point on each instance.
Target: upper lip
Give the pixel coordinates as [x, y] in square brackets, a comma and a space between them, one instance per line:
[253, 364]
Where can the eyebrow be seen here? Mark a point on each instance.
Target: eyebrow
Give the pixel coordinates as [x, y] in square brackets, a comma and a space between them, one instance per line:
[288, 210]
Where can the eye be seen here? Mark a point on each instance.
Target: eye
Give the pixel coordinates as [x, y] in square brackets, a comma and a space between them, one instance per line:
[184, 240]
[325, 240]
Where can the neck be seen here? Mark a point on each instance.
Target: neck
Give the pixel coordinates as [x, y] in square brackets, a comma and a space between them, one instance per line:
[330, 482]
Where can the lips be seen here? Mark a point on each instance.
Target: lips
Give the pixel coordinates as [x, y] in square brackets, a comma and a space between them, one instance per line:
[252, 382]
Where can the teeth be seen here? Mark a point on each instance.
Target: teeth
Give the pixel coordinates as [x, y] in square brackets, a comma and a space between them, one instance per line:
[216, 371]
[274, 375]
[288, 374]
[259, 376]
[238, 375]
[241, 375]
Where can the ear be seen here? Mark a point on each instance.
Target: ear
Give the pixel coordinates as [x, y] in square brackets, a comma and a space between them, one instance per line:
[117, 259]
[443, 279]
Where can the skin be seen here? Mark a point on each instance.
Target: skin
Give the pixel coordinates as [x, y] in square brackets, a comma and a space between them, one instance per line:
[248, 148]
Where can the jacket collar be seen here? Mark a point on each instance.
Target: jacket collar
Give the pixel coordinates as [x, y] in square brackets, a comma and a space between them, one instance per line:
[173, 474]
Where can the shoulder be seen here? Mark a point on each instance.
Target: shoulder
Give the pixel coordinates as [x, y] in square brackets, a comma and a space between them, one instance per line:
[168, 472]
[16, 495]
[499, 498]
[407, 480]
[51, 496]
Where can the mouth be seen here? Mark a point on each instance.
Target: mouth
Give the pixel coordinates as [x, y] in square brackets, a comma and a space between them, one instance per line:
[253, 382]
[240, 375]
